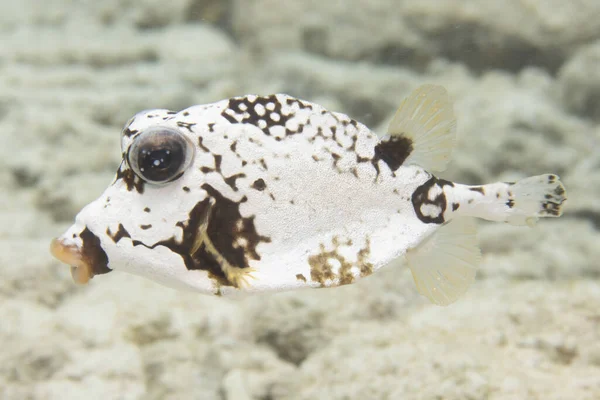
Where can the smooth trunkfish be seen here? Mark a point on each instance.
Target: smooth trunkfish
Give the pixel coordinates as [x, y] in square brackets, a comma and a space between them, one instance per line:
[272, 193]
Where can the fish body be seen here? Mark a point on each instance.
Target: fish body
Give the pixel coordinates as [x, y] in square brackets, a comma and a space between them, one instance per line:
[273, 193]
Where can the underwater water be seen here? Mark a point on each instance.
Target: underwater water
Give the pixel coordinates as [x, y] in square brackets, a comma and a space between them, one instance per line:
[526, 84]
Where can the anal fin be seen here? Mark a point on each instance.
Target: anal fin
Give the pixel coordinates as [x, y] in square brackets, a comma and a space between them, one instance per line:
[445, 264]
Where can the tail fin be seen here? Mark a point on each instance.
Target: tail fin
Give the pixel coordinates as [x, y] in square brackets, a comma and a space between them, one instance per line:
[518, 203]
[534, 197]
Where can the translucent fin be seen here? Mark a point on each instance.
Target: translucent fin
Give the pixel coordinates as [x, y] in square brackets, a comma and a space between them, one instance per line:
[534, 197]
[426, 117]
[445, 264]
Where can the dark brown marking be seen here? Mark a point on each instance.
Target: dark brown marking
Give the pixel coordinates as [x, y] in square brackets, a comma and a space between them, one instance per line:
[263, 164]
[455, 206]
[551, 208]
[366, 268]
[242, 110]
[92, 253]
[119, 234]
[186, 125]
[292, 131]
[301, 104]
[186, 189]
[201, 145]
[360, 159]
[218, 159]
[131, 180]
[146, 209]
[129, 132]
[393, 151]
[227, 225]
[200, 259]
[146, 227]
[477, 189]
[210, 264]
[186, 114]
[259, 184]
[321, 271]
[510, 203]
[336, 158]
[301, 277]
[420, 197]
[231, 180]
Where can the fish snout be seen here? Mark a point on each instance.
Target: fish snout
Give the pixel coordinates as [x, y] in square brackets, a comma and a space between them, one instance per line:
[86, 260]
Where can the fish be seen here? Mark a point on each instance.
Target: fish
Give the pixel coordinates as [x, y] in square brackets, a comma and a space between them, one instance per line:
[268, 193]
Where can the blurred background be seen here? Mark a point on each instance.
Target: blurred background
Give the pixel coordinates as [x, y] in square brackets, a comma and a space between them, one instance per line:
[525, 77]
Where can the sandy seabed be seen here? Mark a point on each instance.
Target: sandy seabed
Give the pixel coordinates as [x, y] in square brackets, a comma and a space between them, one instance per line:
[526, 82]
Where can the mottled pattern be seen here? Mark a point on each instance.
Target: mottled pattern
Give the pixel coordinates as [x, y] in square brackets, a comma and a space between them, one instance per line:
[331, 268]
[191, 247]
[429, 201]
[272, 175]
[265, 112]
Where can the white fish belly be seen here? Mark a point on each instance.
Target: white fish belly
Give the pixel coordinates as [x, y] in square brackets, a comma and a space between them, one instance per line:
[330, 226]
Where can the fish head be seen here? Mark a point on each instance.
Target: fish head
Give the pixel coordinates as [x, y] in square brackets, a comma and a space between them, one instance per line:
[148, 220]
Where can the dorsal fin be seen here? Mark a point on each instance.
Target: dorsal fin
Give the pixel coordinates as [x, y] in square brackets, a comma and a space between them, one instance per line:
[426, 119]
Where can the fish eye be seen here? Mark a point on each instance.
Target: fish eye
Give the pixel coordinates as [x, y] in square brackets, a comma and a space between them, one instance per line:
[160, 155]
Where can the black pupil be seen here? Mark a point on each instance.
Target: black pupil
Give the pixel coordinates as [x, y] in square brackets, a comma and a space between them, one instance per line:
[160, 162]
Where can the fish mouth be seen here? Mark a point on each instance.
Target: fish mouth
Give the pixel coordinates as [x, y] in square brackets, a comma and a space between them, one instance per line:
[81, 271]
[86, 260]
